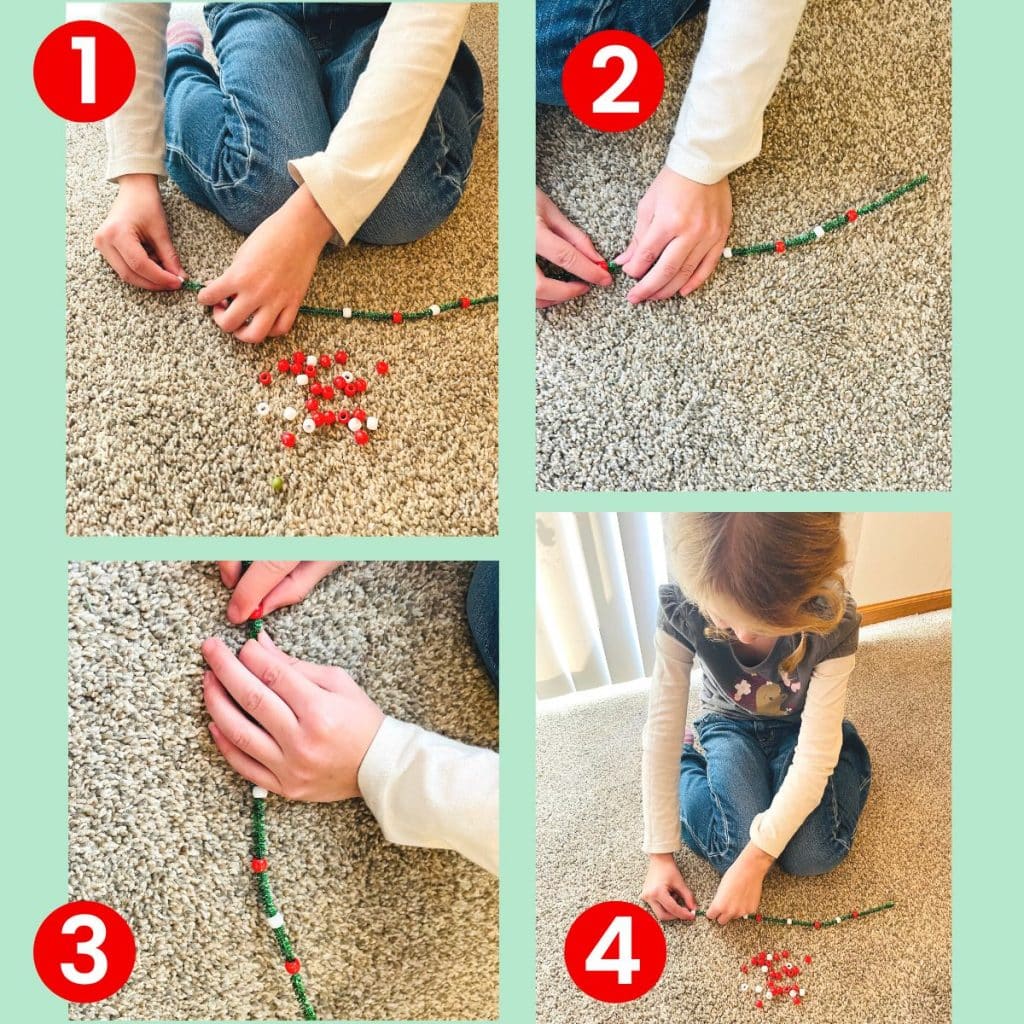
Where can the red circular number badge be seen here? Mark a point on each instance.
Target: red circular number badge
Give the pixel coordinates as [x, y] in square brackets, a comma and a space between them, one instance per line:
[84, 951]
[613, 81]
[615, 952]
[84, 71]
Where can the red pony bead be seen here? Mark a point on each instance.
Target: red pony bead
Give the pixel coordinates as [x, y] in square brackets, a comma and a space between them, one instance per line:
[344, 415]
[759, 1004]
[282, 365]
[360, 383]
[817, 924]
[312, 405]
[855, 913]
[780, 246]
[360, 414]
[796, 1000]
[603, 264]
[330, 417]
[396, 317]
[293, 966]
[744, 968]
[382, 367]
[316, 388]
[464, 302]
[319, 419]
[288, 440]
[328, 392]
[258, 614]
[807, 959]
[339, 383]
[341, 357]
[350, 390]
[758, 918]
[298, 357]
[265, 378]
[259, 865]
[325, 360]
[361, 437]
[851, 216]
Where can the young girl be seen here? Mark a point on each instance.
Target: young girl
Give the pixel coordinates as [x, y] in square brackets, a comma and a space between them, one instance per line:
[322, 122]
[762, 611]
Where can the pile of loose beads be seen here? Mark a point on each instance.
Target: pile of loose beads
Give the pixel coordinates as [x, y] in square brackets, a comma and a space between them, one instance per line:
[260, 866]
[771, 977]
[395, 316]
[315, 398]
[819, 231]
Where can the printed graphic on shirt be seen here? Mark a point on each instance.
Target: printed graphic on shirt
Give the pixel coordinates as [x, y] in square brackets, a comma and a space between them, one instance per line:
[761, 696]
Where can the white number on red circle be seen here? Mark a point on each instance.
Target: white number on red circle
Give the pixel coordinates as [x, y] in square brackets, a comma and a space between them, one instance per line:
[608, 102]
[89, 947]
[625, 965]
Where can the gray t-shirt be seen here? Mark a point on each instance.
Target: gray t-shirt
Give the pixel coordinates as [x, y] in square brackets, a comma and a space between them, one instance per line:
[760, 691]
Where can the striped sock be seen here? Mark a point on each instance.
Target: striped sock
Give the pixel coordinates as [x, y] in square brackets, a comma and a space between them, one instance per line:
[184, 33]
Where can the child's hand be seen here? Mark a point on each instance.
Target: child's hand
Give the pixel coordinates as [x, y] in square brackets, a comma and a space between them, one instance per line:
[560, 242]
[661, 887]
[135, 232]
[312, 728]
[270, 584]
[739, 891]
[268, 278]
[681, 230]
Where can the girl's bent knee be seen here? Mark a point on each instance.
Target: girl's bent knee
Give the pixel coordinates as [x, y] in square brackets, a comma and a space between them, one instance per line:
[805, 861]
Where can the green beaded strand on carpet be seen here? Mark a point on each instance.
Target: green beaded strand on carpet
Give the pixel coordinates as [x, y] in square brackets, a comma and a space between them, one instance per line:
[821, 923]
[841, 220]
[374, 314]
[265, 893]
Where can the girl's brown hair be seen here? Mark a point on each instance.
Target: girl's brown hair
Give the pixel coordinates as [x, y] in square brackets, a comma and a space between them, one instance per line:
[782, 568]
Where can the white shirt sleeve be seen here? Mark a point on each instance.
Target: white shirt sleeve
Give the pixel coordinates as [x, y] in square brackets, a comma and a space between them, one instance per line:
[741, 58]
[663, 743]
[389, 109]
[817, 752]
[135, 133]
[427, 790]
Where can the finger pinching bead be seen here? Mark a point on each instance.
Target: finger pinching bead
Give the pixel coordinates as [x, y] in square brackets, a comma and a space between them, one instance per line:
[819, 231]
[275, 922]
[258, 613]
[361, 437]
[288, 440]
[341, 357]
[727, 252]
[259, 793]
[780, 246]
[382, 367]
[308, 425]
[289, 413]
[325, 360]
[258, 865]
[435, 310]
[355, 423]
[301, 380]
[396, 317]
[465, 303]
[293, 966]
[265, 378]
[347, 312]
[372, 422]
[262, 408]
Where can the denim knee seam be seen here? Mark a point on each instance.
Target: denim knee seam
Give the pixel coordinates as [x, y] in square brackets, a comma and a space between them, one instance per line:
[456, 181]
[206, 179]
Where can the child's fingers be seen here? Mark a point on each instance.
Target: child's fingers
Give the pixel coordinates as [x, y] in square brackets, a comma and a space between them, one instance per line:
[673, 907]
[287, 681]
[132, 252]
[165, 252]
[564, 254]
[243, 732]
[243, 764]
[258, 326]
[690, 265]
[577, 237]
[285, 322]
[325, 676]
[217, 290]
[254, 694]
[297, 584]
[230, 573]
[705, 270]
[230, 318]
[551, 292]
[254, 586]
[123, 271]
[675, 263]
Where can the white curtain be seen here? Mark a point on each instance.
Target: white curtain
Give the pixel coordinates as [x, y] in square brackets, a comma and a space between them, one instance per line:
[597, 598]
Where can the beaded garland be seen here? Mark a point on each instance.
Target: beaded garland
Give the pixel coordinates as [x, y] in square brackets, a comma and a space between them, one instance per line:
[817, 924]
[261, 868]
[819, 231]
[396, 316]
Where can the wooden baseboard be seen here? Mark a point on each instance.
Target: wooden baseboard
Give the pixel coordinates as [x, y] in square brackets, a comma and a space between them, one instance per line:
[882, 611]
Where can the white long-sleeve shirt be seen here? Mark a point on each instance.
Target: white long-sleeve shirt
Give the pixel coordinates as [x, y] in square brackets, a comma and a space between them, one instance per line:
[741, 58]
[427, 790]
[818, 746]
[391, 103]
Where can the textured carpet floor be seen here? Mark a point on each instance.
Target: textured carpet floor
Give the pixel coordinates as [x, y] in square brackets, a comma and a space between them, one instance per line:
[162, 436]
[159, 824]
[828, 368]
[894, 967]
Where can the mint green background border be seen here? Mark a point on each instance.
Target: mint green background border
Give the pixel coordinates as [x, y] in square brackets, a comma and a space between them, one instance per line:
[985, 502]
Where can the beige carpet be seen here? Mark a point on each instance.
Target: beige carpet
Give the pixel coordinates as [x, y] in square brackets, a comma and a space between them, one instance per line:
[159, 825]
[893, 967]
[825, 369]
[161, 430]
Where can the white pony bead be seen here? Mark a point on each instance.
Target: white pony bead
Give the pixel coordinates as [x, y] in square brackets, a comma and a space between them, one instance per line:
[260, 793]
[289, 413]
[819, 231]
[435, 310]
[727, 252]
[347, 312]
[355, 424]
[276, 921]
[301, 380]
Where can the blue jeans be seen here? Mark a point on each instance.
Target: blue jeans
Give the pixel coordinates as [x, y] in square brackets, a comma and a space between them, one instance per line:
[287, 72]
[741, 770]
[482, 613]
[561, 24]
